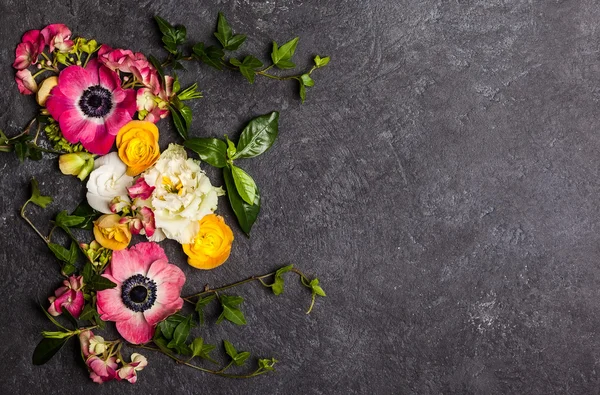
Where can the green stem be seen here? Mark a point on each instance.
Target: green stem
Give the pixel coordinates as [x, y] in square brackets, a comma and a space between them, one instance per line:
[31, 224]
[276, 77]
[257, 372]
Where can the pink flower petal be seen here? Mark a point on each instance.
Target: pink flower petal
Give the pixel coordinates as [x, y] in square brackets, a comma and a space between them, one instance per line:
[75, 127]
[136, 330]
[151, 252]
[75, 307]
[102, 143]
[126, 100]
[140, 189]
[23, 56]
[116, 120]
[111, 306]
[127, 263]
[161, 271]
[74, 80]
[108, 78]
[159, 311]
[58, 103]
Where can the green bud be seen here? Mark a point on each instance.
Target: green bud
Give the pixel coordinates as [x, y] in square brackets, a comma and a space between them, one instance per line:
[78, 164]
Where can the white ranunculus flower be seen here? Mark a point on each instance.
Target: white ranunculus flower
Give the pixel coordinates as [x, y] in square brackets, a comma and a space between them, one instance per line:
[107, 181]
[183, 195]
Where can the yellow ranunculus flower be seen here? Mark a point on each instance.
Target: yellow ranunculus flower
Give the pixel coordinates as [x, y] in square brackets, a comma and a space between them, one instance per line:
[110, 233]
[137, 143]
[212, 245]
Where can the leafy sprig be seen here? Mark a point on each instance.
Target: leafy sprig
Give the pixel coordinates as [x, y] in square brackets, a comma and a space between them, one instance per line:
[174, 38]
[256, 138]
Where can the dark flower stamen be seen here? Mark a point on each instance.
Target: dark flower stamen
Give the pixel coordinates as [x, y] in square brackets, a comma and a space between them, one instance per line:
[96, 101]
[138, 293]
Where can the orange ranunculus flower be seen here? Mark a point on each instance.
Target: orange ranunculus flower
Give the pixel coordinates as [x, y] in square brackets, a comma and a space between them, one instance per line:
[212, 245]
[110, 233]
[137, 143]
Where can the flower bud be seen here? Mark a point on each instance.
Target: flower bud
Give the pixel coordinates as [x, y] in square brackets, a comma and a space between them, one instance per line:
[44, 90]
[78, 164]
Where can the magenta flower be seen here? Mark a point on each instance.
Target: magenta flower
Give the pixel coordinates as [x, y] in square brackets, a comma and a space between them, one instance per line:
[57, 36]
[148, 291]
[91, 106]
[30, 48]
[69, 296]
[142, 222]
[102, 370]
[140, 189]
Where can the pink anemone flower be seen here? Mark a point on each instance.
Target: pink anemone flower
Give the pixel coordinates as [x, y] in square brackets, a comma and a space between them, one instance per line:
[148, 291]
[91, 106]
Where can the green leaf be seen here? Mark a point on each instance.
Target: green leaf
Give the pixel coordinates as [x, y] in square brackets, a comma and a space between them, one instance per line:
[85, 211]
[211, 56]
[65, 220]
[229, 349]
[320, 62]
[247, 66]
[100, 283]
[231, 150]
[159, 69]
[267, 364]
[182, 331]
[60, 252]
[211, 150]
[87, 272]
[196, 347]
[186, 114]
[206, 350]
[36, 198]
[241, 358]
[244, 184]
[277, 286]
[88, 313]
[179, 122]
[201, 304]
[230, 311]
[3, 138]
[70, 317]
[314, 284]
[46, 349]
[306, 80]
[245, 213]
[164, 26]
[225, 35]
[258, 136]
[282, 56]
[68, 269]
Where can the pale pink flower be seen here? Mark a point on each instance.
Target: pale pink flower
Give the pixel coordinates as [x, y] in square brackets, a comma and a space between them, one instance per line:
[115, 59]
[69, 296]
[28, 51]
[129, 372]
[91, 344]
[25, 82]
[148, 291]
[142, 222]
[140, 189]
[91, 106]
[102, 370]
[57, 36]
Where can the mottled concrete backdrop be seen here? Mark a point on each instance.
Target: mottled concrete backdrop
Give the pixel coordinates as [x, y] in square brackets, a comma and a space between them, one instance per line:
[442, 180]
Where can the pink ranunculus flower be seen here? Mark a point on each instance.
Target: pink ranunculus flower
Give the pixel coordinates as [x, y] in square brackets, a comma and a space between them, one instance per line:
[148, 291]
[129, 372]
[58, 36]
[91, 106]
[29, 49]
[25, 82]
[140, 189]
[69, 296]
[102, 370]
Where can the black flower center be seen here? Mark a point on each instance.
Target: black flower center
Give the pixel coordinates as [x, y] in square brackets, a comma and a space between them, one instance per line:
[96, 101]
[138, 293]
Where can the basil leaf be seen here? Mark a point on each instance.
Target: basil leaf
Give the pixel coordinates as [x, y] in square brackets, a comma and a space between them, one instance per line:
[245, 213]
[46, 349]
[211, 150]
[244, 184]
[258, 136]
[186, 114]
[230, 311]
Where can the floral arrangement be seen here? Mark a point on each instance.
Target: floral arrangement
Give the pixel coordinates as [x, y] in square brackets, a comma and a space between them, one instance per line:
[94, 98]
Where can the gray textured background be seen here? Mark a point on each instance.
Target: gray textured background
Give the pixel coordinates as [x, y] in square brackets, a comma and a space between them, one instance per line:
[441, 180]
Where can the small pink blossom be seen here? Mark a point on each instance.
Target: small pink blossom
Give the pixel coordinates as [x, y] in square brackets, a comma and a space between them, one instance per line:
[129, 371]
[140, 189]
[25, 82]
[115, 59]
[69, 296]
[148, 291]
[28, 51]
[57, 36]
[102, 370]
[142, 223]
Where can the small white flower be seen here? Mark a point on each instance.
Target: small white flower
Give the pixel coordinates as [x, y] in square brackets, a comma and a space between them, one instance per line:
[107, 181]
[183, 195]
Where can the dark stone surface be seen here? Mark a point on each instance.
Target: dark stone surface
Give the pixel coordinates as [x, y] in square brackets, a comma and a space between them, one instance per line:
[441, 180]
